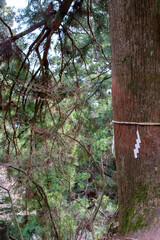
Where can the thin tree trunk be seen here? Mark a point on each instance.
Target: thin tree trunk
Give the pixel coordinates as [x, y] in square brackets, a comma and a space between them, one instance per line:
[135, 44]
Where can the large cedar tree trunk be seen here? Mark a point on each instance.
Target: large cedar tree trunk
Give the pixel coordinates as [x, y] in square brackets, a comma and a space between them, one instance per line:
[135, 44]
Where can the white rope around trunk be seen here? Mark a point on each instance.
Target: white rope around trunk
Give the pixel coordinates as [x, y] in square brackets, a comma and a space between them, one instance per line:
[138, 139]
[137, 123]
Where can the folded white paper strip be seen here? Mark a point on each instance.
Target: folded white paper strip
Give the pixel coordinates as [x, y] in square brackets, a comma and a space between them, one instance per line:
[137, 145]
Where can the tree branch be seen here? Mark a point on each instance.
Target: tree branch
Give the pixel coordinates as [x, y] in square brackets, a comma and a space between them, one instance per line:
[13, 210]
[7, 26]
[57, 21]
[29, 30]
[44, 197]
[55, 25]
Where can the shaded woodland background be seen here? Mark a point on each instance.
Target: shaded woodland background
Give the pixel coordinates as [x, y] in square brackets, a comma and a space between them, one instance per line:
[55, 119]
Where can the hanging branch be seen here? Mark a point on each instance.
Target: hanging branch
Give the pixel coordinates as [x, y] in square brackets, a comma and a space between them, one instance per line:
[88, 21]
[44, 197]
[50, 31]
[14, 213]
[88, 153]
[10, 31]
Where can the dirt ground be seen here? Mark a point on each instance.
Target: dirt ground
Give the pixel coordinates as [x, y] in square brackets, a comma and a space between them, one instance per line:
[119, 237]
[150, 235]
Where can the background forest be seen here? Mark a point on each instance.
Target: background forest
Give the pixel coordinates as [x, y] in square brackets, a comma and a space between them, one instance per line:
[56, 121]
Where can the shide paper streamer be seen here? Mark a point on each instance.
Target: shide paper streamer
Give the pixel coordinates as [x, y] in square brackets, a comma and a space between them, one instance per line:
[137, 145]
[138, 140]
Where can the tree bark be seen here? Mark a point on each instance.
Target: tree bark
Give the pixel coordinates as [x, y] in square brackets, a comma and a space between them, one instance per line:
[135, 45]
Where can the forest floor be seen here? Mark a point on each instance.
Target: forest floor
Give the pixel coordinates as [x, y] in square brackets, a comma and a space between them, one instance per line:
[122, 237]
[150, 235]
[119, 237]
